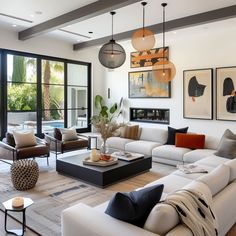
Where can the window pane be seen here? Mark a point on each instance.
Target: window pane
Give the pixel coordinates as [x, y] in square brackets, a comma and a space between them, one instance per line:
[21, 97]
[77, 75]
[21, 69]
[77, 118]
[21, 120]
[77, 97]
[52, 72]
[53, 97]
[56, 120]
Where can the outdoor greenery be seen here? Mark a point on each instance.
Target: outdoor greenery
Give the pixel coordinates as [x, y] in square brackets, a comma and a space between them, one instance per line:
[23, 96]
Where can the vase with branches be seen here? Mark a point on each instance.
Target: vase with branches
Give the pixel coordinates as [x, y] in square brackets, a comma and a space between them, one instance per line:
[106, 121]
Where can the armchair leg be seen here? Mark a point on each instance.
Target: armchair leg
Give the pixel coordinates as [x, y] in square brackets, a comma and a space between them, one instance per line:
[47, 161]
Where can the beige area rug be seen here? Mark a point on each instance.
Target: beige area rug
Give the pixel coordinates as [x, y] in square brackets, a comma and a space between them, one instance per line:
[54, 192]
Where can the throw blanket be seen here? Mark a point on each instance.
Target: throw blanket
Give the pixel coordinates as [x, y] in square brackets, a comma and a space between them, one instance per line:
[195, 211]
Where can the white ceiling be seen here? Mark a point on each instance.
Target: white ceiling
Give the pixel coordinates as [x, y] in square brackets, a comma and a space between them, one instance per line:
[127, 18]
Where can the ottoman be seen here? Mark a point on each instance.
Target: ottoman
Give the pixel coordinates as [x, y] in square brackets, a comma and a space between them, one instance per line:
[24, 174]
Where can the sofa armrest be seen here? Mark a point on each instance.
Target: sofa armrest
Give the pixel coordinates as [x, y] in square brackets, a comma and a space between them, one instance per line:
[82, 220]
[51, 138]
[180, 230]
[41, 141]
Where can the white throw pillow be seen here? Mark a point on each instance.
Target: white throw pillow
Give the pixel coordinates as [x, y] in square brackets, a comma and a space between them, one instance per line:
[69, 134]
[24, 138]
[217, 179]
[161, 219]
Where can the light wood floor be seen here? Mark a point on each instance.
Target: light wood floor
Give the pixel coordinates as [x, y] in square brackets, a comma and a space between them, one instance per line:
[157, 171]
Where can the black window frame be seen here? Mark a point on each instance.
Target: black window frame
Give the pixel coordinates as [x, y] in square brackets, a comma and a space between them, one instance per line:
[39, 110]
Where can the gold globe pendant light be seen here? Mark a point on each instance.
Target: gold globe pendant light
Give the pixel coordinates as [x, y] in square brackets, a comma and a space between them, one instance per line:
[112, 55]
[143, 39]
[164, 70]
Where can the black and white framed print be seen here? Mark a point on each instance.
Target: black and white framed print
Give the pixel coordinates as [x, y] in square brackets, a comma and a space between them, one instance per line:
[226, 93]
[198, 94]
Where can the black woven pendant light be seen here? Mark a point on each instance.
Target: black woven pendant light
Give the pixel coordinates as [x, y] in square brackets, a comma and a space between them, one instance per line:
[112, 55]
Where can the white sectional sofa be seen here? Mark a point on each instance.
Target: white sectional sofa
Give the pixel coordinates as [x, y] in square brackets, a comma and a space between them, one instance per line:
[82, 220]
[152, 142]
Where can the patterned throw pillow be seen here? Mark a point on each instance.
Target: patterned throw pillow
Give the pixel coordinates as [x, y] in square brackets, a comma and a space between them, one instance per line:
[130, 132]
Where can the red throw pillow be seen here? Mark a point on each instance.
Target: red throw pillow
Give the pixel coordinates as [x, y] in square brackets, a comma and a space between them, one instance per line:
[192, 141]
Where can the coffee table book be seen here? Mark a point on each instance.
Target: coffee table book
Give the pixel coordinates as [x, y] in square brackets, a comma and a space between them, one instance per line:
[127, 156]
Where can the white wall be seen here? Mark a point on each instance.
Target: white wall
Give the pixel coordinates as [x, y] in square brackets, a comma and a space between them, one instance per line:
[48, 45]
[193, 48]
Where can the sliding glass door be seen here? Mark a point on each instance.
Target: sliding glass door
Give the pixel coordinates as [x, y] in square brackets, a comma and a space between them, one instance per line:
[41, 93]
[21, 92]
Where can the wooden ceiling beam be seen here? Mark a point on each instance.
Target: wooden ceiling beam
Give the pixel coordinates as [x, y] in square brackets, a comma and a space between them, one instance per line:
[188, 21]
[75, 16]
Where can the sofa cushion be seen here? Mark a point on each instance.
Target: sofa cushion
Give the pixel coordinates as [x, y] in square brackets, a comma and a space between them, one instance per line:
[69, 134]
[141, 146]
[192, 141]
[170, 152]
[194, 176]
[171, 183]
[154, 135]
[34, 151]
[227, 146]
[217, 179]
[134, 207]
[211, 142]
[232, 165]
[197, 155]
[24, 138]
[74, 144]
[118, 143]
[172, 132]
[212, 160]
[225, 208]
[130, 132]
[161, 219]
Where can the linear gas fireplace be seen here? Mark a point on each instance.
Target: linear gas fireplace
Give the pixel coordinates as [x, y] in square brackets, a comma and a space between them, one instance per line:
[150, 115]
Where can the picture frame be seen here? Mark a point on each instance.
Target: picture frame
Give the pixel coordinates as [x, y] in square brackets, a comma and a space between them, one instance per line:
[198, 94]
[142, 84]
[148, 57]
[225, 93]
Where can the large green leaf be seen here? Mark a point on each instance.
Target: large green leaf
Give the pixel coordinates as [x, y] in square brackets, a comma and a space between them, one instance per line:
[113, 109]
[104, 112]
[99, 102]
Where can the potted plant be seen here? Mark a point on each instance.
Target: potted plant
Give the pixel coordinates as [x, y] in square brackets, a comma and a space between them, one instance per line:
[105, 122]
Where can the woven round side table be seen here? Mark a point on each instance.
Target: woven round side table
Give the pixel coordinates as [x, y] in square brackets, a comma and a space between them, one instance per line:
[24, 174]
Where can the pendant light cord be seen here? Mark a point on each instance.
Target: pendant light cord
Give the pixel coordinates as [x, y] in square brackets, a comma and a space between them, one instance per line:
[144, 4]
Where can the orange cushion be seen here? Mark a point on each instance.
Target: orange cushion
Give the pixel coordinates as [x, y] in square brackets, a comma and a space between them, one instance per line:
[192, 141]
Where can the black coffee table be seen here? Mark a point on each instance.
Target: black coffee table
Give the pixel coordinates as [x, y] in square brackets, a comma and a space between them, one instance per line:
[101, 176]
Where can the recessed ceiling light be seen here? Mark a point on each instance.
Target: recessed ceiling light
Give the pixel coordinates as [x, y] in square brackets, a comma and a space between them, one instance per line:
[38, 12]
[174, 32]
[90, 32]
[69, 26]
[14, 25]
[32, 15]
[78, 40]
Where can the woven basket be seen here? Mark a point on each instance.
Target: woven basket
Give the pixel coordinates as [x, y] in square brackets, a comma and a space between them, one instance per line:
[24, 174]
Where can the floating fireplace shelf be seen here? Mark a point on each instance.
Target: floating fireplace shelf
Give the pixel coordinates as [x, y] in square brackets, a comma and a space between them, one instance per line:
[150, 115]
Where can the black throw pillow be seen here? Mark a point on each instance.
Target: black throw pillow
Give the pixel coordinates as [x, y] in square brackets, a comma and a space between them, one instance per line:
[134, 207]
[172, 132]
[57, 134]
